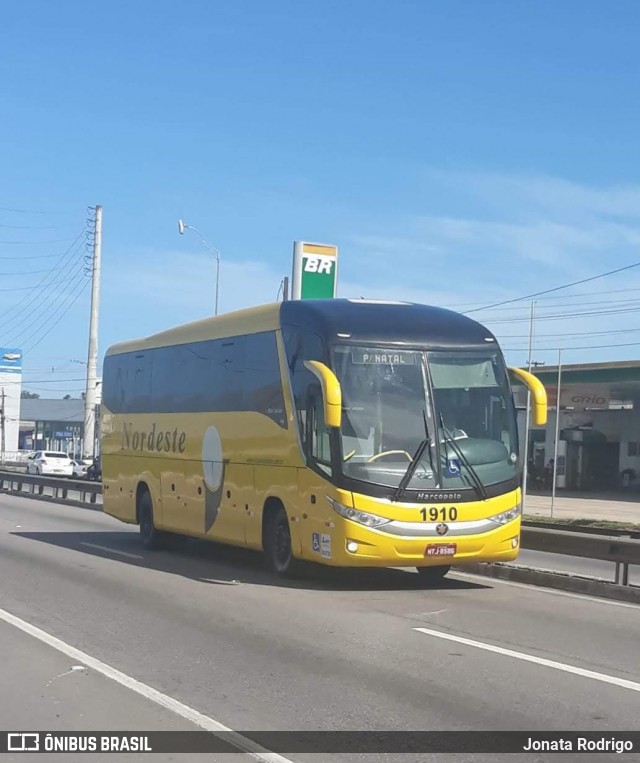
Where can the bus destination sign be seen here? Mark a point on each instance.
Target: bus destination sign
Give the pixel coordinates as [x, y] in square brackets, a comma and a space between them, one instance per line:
[384, 357]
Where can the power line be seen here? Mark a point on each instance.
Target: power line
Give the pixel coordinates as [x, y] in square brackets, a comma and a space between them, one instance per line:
[25, 273]
[563, 296]
[42, 381]
[75, 296]
[29, 227]
[32, 257]
[34, 243]
[45, 381]
[573, 334]
[567, 316]
[556, 288]
[521, 308]
[70, 253]
[29, 388]
[46, 309]
[31, 288]
[28, 211]
[42, 300]
[583, 347]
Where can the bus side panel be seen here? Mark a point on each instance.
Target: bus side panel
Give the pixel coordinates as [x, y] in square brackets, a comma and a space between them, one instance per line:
[173, 487]
[281, 483]
[318, 528]
[200, 470]
[225, 519]
[120, 479]
[118, 490]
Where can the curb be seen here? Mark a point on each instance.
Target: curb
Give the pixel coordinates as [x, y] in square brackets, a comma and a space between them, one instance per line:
[563, 581]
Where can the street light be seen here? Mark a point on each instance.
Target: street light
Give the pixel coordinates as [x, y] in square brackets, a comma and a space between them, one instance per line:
[182, 226]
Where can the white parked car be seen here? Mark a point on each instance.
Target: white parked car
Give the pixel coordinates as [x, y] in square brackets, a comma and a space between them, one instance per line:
[80, 466]
[53, 463]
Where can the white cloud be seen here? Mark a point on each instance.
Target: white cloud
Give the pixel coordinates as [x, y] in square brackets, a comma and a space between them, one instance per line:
[554, 197]
[156, 290]
[518, 235]
[188, 282]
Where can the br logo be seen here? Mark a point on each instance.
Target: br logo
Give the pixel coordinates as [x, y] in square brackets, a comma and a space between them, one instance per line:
[213, 467]
[318, 265]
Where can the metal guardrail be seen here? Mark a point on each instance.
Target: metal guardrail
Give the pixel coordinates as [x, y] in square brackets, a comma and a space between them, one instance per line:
[57, 488]
[621, 551]
[589, 529]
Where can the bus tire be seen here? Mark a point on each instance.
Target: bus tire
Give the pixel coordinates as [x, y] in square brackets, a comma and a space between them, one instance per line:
[432, 575]
[150, 537]
[277, 543]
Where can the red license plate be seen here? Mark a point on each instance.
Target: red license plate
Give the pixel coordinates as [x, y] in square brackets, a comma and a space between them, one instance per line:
[441, 549]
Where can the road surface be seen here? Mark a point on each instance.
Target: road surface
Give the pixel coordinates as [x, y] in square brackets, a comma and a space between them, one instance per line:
[207, 627]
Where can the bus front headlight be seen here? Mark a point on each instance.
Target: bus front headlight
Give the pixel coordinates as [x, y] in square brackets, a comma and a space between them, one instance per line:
[507, 516]
[361, 517]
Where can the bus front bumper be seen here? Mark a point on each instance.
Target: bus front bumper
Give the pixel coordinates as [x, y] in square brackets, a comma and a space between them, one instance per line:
[357, 546]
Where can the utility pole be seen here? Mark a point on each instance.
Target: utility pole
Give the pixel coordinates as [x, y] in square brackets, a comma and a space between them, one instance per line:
[525, 467]
[2, 428]
[92, 359]
[557, 433]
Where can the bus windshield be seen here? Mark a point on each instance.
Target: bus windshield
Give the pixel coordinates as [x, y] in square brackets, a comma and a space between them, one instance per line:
[394, 399]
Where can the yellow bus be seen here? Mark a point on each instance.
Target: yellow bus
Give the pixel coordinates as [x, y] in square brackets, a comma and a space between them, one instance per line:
[345, 432]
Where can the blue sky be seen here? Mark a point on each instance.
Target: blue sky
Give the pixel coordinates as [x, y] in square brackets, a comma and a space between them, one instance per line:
[458, 153]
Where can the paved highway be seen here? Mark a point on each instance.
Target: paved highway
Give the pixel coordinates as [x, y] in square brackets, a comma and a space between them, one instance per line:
[208, 628]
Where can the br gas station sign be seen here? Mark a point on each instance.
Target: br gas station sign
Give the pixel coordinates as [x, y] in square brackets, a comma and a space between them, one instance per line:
[315, 271]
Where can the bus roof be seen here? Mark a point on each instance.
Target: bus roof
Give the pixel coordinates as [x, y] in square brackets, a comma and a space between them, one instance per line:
[355, 319]
[407, 323]
[249, 321]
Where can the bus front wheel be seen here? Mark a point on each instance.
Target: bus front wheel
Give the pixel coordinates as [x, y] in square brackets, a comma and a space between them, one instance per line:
[149, 536]
[277, 543]
[432, 575]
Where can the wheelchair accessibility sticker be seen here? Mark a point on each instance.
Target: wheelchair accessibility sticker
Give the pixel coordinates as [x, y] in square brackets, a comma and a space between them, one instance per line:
[453, 467]
[321, 544]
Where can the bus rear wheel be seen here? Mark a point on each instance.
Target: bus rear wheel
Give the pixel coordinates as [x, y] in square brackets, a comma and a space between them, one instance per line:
[277, 543]
[432, 575]
[150, 537]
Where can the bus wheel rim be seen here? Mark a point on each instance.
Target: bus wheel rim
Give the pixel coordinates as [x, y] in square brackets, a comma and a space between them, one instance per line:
[283, 543]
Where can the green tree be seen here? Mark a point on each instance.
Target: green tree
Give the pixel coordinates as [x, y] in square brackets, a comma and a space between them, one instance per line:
[26, 395]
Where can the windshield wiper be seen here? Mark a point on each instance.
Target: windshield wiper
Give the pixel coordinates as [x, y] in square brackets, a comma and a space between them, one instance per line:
[424, 445]
[448, 440]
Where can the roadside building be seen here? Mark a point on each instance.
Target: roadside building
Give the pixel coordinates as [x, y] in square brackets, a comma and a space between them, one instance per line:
[10, 388]
[599, 428]
[51, 425]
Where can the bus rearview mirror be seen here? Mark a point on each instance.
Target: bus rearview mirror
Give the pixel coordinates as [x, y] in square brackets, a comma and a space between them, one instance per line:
[538, 394]
[331, 392]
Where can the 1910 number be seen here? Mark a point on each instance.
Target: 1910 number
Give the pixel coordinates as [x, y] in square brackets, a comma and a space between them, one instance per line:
[444, 515]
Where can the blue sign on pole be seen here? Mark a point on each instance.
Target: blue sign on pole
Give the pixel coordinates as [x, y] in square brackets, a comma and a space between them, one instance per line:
[10, 360]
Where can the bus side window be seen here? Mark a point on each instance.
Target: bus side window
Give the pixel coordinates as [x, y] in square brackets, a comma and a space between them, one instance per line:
[301, 346]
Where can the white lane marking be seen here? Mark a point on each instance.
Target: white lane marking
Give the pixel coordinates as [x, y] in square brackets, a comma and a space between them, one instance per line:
[622, 682]
[112, 550]
[437, 612]
[164, 700]
[552, 591]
